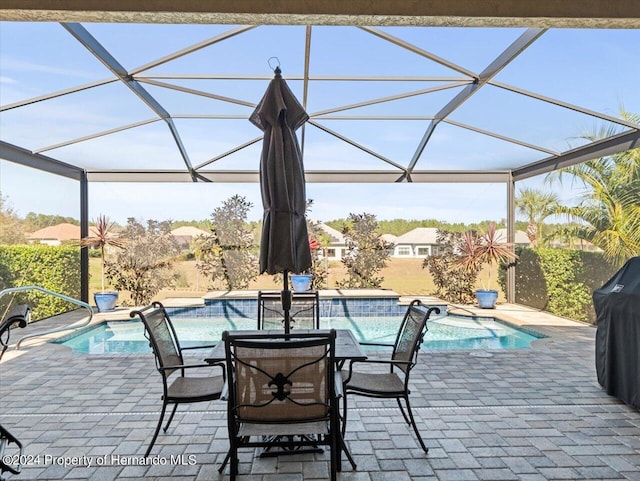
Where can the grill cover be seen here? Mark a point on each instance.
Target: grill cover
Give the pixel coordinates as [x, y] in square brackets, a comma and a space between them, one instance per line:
[617, 305]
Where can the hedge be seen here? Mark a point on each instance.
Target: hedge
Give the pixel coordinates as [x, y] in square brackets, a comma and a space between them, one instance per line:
[56, 268]
[561, 281]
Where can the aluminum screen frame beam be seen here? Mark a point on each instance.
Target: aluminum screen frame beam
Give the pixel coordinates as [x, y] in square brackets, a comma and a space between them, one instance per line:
[21, 156]
[84, 232]
[602, 148]
[83, 36]
[18, 155]
[311, 176]
[499, 63]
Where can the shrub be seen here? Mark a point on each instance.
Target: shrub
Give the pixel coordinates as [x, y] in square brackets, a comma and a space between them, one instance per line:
[318, 239]
[454, 281]
[56, 268]
[367, 253]
[144, 266]
[560, 281]
[226, 255]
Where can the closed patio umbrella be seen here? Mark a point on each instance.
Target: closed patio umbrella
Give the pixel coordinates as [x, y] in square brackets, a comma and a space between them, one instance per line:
[284, 246]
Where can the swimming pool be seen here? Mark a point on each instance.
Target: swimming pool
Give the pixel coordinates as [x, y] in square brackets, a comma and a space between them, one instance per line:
[447, 332]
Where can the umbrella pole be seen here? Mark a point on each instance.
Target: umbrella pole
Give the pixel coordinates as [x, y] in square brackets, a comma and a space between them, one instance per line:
[286, 301]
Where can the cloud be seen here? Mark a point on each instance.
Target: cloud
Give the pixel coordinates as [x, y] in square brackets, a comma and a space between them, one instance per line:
[11, 63]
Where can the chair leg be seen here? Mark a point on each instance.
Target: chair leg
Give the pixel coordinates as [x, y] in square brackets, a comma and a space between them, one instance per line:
[336, 452]
[404, 415]
[336, 440]
[415, 428]
[343, 429]
[233, 466]
[343, 447]
[155, 435]
[342, 443]
[224, 462]
[175, 407]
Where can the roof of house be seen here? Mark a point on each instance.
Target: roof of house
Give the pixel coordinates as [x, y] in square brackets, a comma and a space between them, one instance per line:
[61, 232]
[389, 238]
[188, 231]
[419, 235]
[336, 235]
[521, 237]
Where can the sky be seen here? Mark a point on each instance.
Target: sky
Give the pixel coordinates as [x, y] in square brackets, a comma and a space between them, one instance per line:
[30, 65]
[54, 195]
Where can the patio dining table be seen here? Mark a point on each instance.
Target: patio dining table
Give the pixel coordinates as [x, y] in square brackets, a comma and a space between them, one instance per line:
[347, 346]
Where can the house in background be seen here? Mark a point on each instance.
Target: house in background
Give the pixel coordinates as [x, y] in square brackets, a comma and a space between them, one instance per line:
[419, 242]
[55, 235]
[337, 245]
[521, 237]
[391, 239]
[574, 244]
[186, 234]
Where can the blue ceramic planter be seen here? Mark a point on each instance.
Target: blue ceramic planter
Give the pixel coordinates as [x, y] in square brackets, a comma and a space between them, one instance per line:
[486, 298]
[301, 282]
[106, 301]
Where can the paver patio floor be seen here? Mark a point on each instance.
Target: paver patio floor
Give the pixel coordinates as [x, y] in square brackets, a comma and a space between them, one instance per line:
[526, 414]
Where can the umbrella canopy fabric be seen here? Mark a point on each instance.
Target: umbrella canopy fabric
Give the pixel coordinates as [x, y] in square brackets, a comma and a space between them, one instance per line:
[284, 246]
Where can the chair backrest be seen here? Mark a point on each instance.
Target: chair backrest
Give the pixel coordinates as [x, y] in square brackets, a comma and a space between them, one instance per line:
[161, 334]
[411, 334]
[20, 315]
[280, 379]
[304, 312]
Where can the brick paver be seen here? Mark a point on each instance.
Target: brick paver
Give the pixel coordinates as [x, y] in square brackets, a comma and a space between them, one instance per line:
[527, 414]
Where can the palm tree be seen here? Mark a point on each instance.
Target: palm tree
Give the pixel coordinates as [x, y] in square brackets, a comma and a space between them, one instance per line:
[536, 205]
[609, 211]
[474, 251]
[103, 237]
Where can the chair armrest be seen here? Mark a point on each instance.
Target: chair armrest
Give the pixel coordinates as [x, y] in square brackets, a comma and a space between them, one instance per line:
[379, 361]
[7, 438]
[190, 366]
[382, 344]
[374, 361]
[203, 346]
[224, 394]
[338, 384]
[6, 435]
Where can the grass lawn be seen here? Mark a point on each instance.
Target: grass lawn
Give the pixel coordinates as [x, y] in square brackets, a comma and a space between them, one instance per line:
[404, 276]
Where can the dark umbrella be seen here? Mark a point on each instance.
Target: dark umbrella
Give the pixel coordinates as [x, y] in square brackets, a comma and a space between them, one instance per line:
[284, 246]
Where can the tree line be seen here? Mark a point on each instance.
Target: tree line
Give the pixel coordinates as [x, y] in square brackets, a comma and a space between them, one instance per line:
[13, 229]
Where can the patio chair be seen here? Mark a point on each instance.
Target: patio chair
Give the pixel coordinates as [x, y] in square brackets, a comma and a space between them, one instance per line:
[11, 449]
[177, 387]
[304, 313]
[393, 384]
[282, 393]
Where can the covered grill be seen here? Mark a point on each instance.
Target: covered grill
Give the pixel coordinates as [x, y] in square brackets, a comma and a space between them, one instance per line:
[617, 305]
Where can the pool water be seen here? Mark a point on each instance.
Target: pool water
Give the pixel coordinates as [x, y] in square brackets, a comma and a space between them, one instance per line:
[447, 332]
